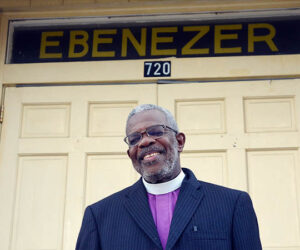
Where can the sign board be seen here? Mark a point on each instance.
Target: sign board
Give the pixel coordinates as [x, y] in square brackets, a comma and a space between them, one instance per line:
[157, 68]
[130, 41]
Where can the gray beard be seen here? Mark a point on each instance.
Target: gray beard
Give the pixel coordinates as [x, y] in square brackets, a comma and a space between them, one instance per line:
[167, 171]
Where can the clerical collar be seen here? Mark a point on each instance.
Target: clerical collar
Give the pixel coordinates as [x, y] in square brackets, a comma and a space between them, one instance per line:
[165, 187]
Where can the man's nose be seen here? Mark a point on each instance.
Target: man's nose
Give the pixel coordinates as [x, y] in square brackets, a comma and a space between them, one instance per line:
[146, 141]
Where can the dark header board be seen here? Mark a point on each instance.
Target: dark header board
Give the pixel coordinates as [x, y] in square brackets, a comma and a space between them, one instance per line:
[129, 41]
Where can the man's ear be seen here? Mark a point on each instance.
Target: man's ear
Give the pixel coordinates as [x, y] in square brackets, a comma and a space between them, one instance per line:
[180, 137]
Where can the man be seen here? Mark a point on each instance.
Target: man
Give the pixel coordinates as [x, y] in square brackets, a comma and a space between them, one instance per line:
[168, 208]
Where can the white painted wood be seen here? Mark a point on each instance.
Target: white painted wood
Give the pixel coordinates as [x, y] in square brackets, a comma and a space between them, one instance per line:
[39, 202]
[258, 144]
[99, 168]
[209, 166]
[52, 164]
[43, 120]
[103, 117]
[34, 3]
[195, 110]
[14, 3]
[191, 69]
[71, 2]
[273, 181]
[281, 114]
[82, 160]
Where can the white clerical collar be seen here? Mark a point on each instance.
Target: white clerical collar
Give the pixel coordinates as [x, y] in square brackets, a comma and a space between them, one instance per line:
[165, 187]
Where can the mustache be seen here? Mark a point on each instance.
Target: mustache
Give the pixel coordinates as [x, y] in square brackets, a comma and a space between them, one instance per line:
[150, 149]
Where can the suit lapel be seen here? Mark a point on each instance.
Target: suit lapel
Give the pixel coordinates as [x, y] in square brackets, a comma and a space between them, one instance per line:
[136, 203]
[189, 199]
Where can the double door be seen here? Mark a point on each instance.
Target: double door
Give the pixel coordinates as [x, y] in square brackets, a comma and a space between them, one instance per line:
[62, 148]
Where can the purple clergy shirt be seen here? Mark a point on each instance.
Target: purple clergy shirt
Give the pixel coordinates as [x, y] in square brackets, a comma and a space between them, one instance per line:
[162, 208]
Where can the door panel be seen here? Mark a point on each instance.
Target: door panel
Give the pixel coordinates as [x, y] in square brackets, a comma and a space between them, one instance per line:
[245, 135]
[40, 202]
[61, 149]
[273, 181]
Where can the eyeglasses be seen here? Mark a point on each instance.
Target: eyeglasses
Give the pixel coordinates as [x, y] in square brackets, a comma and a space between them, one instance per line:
[154, 132]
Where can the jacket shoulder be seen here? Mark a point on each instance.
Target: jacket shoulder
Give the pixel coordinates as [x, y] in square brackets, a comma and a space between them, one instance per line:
[224, 195]
[210, 187]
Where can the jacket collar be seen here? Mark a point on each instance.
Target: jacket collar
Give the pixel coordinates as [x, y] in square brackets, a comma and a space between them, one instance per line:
[137, 205]
[190, 195]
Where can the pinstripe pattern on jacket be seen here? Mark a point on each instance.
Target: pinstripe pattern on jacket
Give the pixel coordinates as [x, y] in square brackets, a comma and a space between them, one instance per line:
[206, 217]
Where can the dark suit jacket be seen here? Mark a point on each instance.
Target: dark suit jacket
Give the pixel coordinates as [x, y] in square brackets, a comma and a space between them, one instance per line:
[206, 217]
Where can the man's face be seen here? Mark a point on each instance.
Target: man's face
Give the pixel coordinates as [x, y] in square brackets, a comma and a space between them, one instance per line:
[157, 160]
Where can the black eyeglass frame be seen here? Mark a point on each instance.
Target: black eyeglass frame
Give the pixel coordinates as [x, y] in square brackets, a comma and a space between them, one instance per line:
[146, 131]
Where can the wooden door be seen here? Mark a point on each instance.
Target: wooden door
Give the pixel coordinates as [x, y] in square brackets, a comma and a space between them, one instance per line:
[61, 149]
[245, 135]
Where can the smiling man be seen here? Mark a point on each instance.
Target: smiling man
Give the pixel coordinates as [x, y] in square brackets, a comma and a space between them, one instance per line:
[168, 208]
[156, 157]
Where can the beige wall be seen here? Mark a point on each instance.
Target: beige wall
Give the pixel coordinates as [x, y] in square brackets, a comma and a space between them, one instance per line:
[221, 68]
[154, 5]
[195, 69]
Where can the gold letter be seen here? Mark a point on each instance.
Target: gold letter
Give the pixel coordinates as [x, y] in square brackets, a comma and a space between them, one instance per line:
[186, 50]
[139, 47]
[97, 40]
[82, 41]
[219, 37]
[166, 39]
[45, 44]
[266, 38]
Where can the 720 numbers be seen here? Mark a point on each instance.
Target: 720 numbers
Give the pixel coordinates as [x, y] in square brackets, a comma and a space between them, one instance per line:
[157, 68]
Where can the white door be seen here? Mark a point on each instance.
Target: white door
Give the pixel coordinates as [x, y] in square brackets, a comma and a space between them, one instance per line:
[245, 135]
[61, 149]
